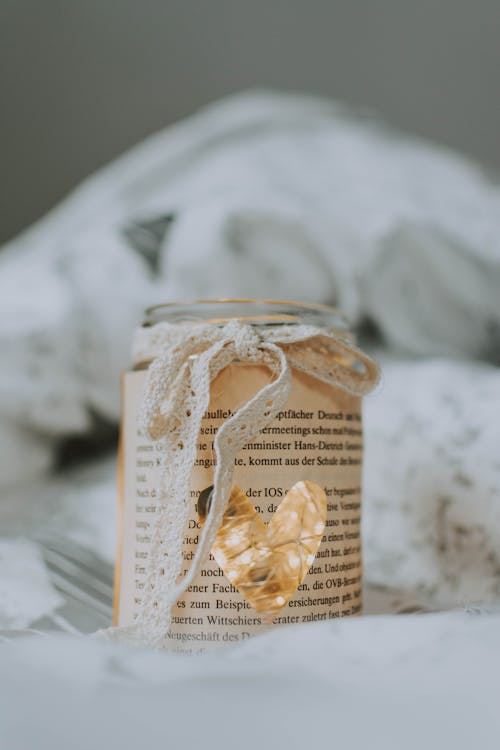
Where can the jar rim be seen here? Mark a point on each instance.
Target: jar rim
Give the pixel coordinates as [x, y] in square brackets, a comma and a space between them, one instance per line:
[253, 311]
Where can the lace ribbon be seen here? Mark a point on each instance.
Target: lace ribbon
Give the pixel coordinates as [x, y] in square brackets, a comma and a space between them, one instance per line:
[185, 359]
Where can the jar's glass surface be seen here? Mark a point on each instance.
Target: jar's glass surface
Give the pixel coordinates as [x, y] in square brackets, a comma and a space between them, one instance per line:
[261, 312]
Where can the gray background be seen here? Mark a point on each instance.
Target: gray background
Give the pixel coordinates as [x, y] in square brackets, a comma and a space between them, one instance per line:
[82, 80]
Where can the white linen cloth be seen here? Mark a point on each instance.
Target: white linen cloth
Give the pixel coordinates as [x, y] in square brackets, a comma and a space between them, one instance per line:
[273, 195]
[293, 197]
[375, 682]
[26, 593]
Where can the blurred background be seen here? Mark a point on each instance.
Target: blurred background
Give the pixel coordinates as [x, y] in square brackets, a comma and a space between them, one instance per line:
[82, 82]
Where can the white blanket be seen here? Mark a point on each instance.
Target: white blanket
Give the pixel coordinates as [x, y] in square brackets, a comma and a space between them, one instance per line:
[413, 682]
[271, 196]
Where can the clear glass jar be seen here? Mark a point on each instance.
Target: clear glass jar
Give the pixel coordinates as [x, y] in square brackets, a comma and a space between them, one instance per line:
[315, 442]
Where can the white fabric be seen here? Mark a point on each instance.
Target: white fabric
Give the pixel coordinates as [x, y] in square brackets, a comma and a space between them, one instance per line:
[412, 682]
[26, 593]
[431, 484]
[273, 195]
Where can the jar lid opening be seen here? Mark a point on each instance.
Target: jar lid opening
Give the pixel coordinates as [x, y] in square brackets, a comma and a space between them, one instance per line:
[253, 311]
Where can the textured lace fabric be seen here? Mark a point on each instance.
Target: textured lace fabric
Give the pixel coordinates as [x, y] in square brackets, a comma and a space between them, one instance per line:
[185, 359]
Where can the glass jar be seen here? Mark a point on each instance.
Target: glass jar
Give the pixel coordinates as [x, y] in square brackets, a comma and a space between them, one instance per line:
[315, 444]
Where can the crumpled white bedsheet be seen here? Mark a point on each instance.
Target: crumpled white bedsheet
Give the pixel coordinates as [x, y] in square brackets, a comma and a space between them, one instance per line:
[26, 592]
[281, 196]
[431, 483]
[376, 682]
[271, 195]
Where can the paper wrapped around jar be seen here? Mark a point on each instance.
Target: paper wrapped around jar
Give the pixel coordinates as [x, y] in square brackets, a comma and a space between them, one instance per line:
[240, 472]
